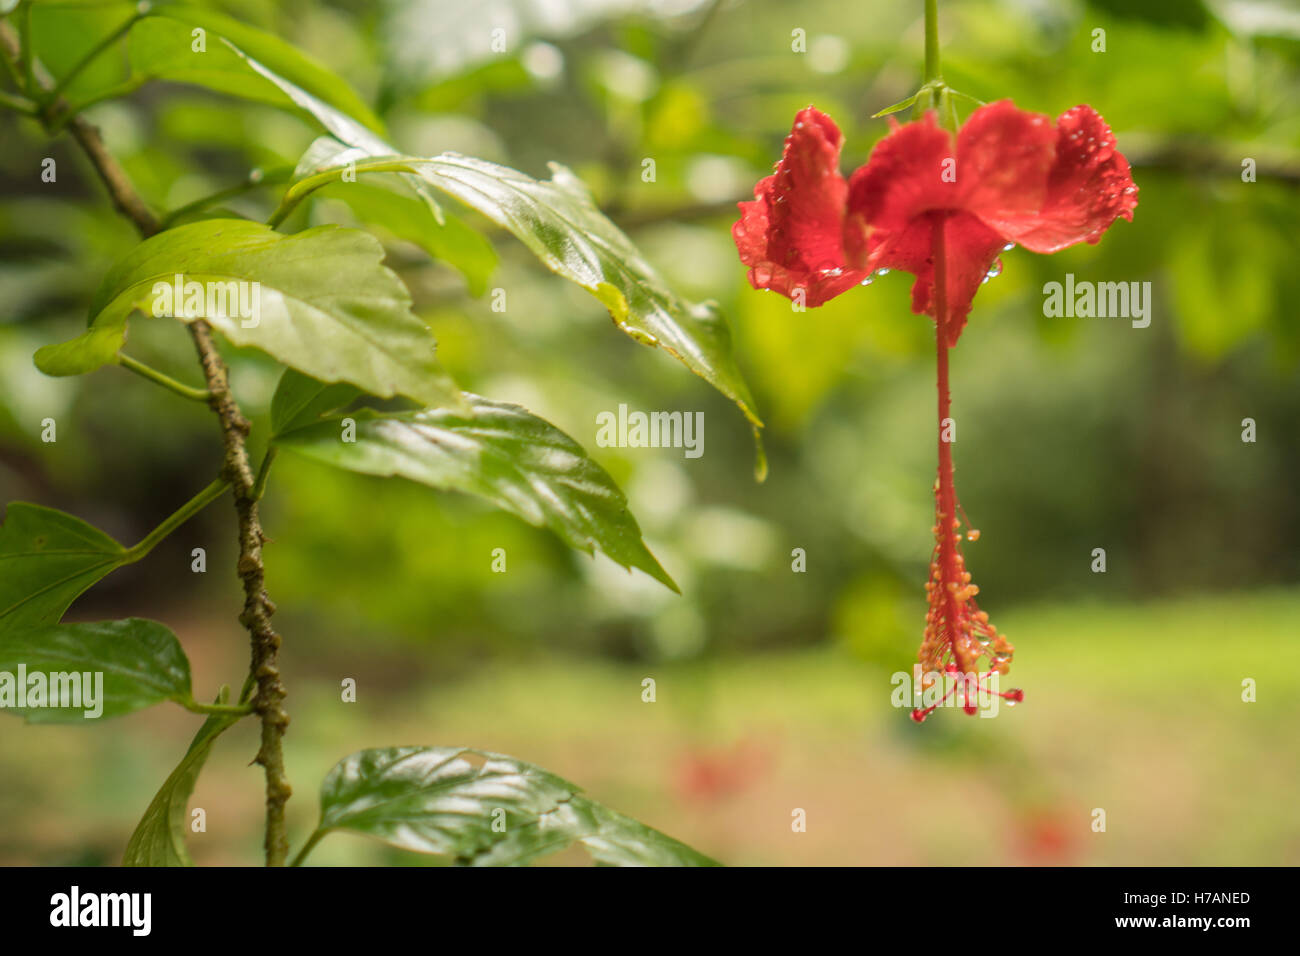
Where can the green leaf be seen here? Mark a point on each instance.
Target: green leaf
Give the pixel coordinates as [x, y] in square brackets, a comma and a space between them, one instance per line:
[159, 838]
[897, 107]
[406, 217]
[300, 400]
[47, 559]
[446, 238]
[135, 663]
[497, 451]
[611, 838]
[342, 127]
[558, 221]
[324, 304]
[161, 47]
[481, 808]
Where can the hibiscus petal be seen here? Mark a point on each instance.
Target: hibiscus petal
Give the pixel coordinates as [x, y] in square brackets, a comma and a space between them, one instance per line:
[791, 234]
[1089, 186]
[904, 178]
[970, 249]
[1004, 156]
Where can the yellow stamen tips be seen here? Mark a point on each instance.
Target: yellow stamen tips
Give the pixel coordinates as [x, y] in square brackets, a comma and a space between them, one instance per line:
[973, 534]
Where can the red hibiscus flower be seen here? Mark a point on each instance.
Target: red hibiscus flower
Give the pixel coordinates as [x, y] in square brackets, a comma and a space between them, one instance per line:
[1008, 177]
[942, 207]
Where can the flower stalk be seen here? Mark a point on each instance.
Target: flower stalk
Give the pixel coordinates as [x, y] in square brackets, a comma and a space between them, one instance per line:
[931, 40]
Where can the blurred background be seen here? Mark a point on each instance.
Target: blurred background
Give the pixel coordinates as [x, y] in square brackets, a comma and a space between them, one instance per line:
[773, 687]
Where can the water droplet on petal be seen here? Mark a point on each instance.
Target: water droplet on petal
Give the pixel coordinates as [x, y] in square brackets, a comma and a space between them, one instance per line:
[1008, 247]
[882, 272]
[995, 270]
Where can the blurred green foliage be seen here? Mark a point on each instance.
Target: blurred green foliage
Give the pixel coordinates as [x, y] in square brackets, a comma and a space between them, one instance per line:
[1074, 433]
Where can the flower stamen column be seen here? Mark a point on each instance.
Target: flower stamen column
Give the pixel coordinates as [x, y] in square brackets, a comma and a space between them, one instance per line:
[957, 633]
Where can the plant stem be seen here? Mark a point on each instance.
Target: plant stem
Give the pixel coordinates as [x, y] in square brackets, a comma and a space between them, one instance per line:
[125, 199]
[120, 189]
[255, 179]
[178, 518]
[931, 40]
[303, 188]
[307, 847]
[166, 381]
[195, 707]
[256, 616]
[264, 472]
[268, 703]
[65, 112]
[19, 104]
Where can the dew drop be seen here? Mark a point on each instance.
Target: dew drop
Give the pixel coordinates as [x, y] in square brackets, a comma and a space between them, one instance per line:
[1008, 247]
[882, 272]
[995, 270]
